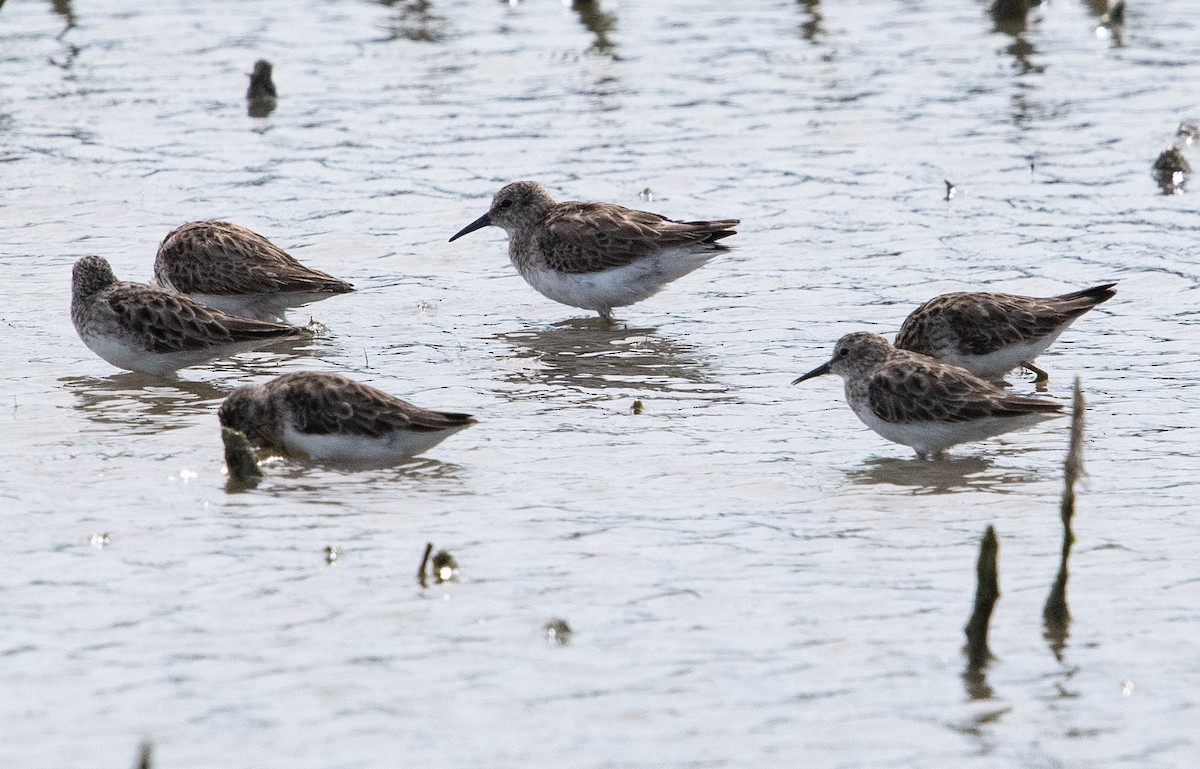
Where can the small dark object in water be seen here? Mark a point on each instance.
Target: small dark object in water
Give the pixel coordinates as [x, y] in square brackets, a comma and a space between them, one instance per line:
[638, 407]
[558, 632]
[987, 590]
[1171, 170]
[144, 755]
[1012, 12]
[1172, 161]
[332, 553]
[1186, 134]
[444, 567]
[239, 458]
[950, 190]
[99, 540]
[261, 95]
[1055, 613]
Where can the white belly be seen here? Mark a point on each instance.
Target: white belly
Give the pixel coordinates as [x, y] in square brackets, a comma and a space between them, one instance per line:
[928, 438]
[271, 307]
[401, 444]
[618, 287]
[131, 358]
[122, 354]
[995, 365]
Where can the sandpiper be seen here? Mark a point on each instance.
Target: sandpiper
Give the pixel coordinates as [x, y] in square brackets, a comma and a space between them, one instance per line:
[991, 334]
[920, 402]
[145, 328]
[333, 417]
[597, 256]
[238, 271]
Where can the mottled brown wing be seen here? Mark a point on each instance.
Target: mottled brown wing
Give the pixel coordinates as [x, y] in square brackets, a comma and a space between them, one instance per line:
[913, 389]
[175, 323]
[222, 258]
[590, 237]
[354, 408]
[984, 323]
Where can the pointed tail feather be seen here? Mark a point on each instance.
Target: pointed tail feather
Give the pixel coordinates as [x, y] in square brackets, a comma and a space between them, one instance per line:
[1090, 297]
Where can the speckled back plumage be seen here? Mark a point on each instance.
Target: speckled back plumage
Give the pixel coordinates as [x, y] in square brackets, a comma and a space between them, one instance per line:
[914, 388]
[575, 237]
[597, 255]
[321, 403]
[169, 322]
[153, 320]
[977, 323]
[591, 237]
[213, 257]
[900, 386]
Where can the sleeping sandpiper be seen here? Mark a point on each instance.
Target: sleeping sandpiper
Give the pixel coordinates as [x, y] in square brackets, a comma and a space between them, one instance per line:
[238, 271]
[145, 328]
[991, 334]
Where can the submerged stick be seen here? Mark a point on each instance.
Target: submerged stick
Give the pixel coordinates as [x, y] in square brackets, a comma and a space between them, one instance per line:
[424, 561]
[144, 755]
[987, 590]
[1055, 613]
[239, 458]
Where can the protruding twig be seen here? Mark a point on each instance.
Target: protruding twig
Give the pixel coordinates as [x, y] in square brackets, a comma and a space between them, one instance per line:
[1116, 17]
[424, 561]
[987, 590]
[950, 190]
[144, 756]
[1055, 613]
[239, 458]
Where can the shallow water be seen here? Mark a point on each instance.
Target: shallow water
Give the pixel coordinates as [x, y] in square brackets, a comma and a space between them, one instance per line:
[751, 575]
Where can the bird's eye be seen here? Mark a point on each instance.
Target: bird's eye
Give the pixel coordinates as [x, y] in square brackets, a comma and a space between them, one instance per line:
[844, 352]
[506, 203]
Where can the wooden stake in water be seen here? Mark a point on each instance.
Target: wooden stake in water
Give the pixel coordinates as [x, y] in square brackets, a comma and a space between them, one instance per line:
[1055, 613]
[987, 590]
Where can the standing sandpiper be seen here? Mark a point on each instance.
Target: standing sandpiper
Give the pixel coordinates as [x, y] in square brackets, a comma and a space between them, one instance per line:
[920, 402]
[238, 271]
[597, 256]
[991, 334]
[145, 328]
[332, 417]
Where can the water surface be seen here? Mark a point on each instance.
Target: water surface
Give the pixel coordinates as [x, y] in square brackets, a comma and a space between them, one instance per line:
[753, 577]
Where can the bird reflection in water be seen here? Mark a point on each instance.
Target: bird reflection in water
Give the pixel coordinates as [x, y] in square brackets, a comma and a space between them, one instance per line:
[599, 23]
[415, 21]
[811, 28]
[143, 402]
[308, 481]
[946, 476]
[150, 403]
[592, 354]
[1012, 18]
